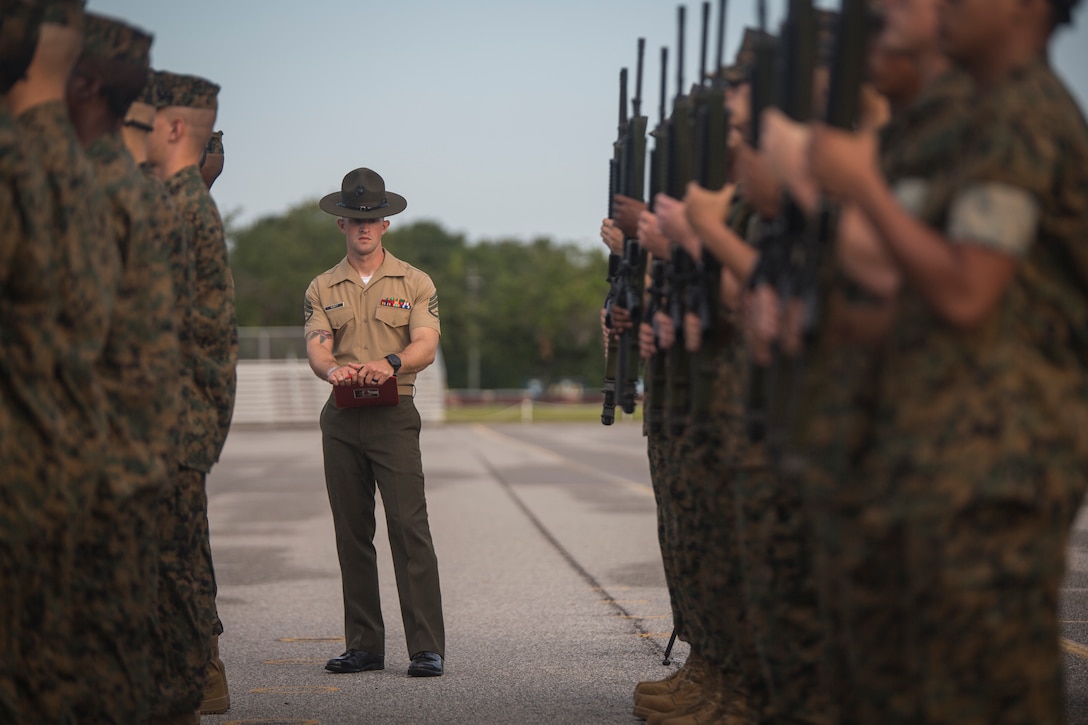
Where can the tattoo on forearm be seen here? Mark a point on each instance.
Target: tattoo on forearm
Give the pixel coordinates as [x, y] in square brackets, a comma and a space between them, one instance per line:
[322, 336]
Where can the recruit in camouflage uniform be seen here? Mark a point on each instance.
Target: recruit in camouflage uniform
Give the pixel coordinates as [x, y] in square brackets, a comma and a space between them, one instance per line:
[776, 534]
[988, 475]
[88, 265]
[117, 562]
[858, 541]
[187, 581]
[978, 430]
[31, 427]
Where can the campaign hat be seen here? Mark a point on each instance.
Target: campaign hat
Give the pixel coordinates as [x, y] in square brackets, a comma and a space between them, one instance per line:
[362, 195]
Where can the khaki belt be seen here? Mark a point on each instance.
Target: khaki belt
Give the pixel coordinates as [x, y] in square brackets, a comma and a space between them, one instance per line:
[406, 391]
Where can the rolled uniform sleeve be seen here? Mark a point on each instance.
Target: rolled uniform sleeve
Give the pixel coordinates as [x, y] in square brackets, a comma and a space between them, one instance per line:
[425, 307]
[313, 313]
[998, 216]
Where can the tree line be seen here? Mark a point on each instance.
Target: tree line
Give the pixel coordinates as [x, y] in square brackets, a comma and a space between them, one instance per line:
[511, 311]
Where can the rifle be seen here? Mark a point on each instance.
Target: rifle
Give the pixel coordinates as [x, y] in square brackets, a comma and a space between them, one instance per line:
[657, 298]
[625, 271]
[843, 106]
[783, 237]
[762, 85]
[632, 273]
[711, 160]
[680, 169]
[608, 411]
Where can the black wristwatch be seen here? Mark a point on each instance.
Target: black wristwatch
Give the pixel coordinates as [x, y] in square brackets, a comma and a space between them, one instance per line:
[394, 360]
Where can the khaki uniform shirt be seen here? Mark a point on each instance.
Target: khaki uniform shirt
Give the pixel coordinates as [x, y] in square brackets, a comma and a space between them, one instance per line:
[369, 321]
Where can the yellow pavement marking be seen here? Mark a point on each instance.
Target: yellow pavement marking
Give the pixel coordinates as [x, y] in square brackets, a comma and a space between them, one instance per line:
[1075, 648]
[647, 635]
[310, 639]
[271, 722]
[294, 689]
[640, 488]
[296, 661]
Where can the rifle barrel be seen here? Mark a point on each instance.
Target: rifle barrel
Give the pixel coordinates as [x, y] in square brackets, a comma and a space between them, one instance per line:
[703, 47]
[681, 16]
[720, 50]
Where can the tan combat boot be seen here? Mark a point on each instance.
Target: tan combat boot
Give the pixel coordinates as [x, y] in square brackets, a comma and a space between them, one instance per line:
[698, 712]
[670, 683]
[722, 703]
[216, 695]
[687, 691]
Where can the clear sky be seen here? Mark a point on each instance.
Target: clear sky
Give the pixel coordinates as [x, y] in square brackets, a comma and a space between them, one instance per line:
[494, 118]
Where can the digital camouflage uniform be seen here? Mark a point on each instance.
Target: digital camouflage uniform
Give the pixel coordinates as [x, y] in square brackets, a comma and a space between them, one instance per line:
[719, 589]
[776, 552]
[88, 268]
[981, 432]
[660, 451]
[119, 558]
[31, 425]
[859, 544]
[186, 577]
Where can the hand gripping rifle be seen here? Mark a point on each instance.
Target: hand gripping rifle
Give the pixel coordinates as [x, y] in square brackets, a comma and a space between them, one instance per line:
[625, 271]
[789, 70]
[843, 105]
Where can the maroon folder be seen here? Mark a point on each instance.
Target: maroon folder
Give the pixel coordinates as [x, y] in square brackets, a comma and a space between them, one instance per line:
[366, 396]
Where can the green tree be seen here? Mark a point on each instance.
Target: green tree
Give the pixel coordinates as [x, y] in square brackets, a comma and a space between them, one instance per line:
[274, 259]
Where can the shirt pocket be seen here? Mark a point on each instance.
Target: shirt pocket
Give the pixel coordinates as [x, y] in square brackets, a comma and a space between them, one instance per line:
[393, 316]
[339, 317]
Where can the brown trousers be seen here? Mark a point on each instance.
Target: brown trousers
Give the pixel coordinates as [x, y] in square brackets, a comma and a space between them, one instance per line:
[378, 447]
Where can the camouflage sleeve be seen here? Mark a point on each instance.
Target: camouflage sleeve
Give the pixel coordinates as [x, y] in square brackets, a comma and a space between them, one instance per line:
[999, 217]
[214, 324]
[1007, 167]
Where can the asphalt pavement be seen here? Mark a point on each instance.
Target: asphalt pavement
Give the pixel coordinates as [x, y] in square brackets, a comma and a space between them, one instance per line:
[553, 589]
[554, 594]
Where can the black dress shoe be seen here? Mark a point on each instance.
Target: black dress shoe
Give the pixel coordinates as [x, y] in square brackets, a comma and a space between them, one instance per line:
[356, 660]
[425, 664]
